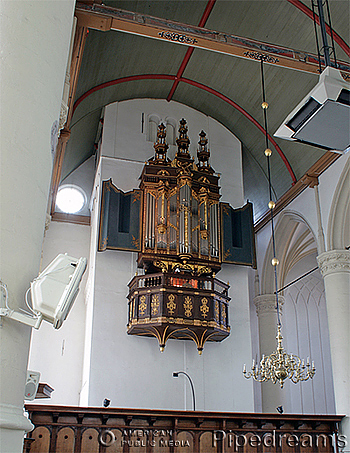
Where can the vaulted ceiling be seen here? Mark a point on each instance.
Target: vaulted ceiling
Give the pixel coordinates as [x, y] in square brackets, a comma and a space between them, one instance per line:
[117, 66]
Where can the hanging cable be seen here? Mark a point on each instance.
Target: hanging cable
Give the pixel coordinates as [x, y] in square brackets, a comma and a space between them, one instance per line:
[332, 36]
[317, 45]
[278, 366]
[271, 204]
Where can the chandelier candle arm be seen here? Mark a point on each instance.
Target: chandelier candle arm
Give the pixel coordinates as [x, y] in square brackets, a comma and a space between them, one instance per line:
[279, 366]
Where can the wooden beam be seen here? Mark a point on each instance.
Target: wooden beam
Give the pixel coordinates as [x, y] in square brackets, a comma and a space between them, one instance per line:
[57, 166]
[77, 56]
[44, 391]
[104, 18]
[71, 218]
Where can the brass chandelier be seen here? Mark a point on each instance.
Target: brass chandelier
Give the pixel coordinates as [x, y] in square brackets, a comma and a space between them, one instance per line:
[279, 365]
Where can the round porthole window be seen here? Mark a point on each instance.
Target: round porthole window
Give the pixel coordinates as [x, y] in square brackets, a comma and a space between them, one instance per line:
[70, 199]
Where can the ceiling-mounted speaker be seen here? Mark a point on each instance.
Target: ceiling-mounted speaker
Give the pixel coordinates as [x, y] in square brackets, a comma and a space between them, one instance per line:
[322, 118]
[32, 385]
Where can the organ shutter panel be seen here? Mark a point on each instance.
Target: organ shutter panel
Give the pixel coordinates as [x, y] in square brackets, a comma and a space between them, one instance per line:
[237, 235]
[120, 221]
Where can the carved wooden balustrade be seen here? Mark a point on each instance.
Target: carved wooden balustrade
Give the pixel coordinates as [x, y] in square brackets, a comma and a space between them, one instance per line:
[110, 430]
[175, 305]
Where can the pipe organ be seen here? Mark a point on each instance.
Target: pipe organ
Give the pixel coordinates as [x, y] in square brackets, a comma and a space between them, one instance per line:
[182, 234]
[181, 209]
[180, 239]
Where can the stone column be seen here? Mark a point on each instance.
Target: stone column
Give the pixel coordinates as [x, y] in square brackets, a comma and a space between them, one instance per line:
[335, 268]
[272, 394]
[35, 43]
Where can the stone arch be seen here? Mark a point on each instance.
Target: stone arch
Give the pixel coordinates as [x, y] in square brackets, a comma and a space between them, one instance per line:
[153, 121]
[304, 320]
[307, 335]
[294, 241]
[338, 231]
[170, 124]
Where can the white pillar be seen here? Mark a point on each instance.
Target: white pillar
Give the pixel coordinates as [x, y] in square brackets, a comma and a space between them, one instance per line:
[335, 268]
[272, 394]
[35, 37]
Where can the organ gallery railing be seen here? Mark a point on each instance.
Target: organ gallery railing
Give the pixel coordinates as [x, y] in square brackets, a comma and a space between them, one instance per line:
[61, 429]
[183, 306]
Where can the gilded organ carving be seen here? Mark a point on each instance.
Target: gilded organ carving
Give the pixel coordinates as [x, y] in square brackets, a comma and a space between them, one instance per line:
[180, 247]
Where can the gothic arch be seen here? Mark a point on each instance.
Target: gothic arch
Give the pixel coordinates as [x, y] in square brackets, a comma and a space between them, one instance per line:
[294, 241]
[153, 121]
[306, 334]
[170, 124]
[338, 231]
[304, 319]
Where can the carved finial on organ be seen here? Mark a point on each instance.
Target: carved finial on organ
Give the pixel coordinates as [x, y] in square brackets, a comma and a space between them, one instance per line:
[203, 153]
[160, 146]
[183, 142]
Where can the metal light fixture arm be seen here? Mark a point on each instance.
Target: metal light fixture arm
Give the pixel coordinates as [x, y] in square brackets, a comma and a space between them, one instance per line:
[176, 374]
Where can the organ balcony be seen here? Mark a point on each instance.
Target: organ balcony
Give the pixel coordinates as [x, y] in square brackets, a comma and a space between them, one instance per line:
[172, 305]
[183, 234]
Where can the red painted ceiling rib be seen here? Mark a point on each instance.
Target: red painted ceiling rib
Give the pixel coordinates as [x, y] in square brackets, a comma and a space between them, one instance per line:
[197, 85]
[247, 115]
[121, 80]
[189, 52]
[306, 10]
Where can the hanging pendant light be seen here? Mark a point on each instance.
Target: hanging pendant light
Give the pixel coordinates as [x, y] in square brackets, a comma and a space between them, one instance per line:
[278, 366]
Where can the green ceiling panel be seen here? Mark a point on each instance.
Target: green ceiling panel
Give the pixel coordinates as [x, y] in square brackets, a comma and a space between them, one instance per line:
[113, 55]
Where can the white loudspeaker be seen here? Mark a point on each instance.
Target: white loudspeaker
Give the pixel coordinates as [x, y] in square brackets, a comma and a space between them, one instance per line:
[32, 385]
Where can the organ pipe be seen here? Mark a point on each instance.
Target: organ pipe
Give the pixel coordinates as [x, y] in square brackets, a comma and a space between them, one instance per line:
[181, 205]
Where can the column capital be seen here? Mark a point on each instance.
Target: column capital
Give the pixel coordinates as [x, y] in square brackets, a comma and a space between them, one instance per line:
[334, 261]
[266, 303]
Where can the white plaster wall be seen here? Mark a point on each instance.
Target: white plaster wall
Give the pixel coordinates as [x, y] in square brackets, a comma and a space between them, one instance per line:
[58, 354]
[305, 207]
[305, 324]
[306, 334]
[338, 230]
[35, 38]
[305, 203]
[90, 288]
[130, 370]
[123, 139]
[82, 177]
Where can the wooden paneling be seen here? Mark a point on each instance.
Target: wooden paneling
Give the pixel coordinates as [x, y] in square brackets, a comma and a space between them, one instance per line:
[61, 429]
[65, 440]
[41, 436]
[89, 442]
